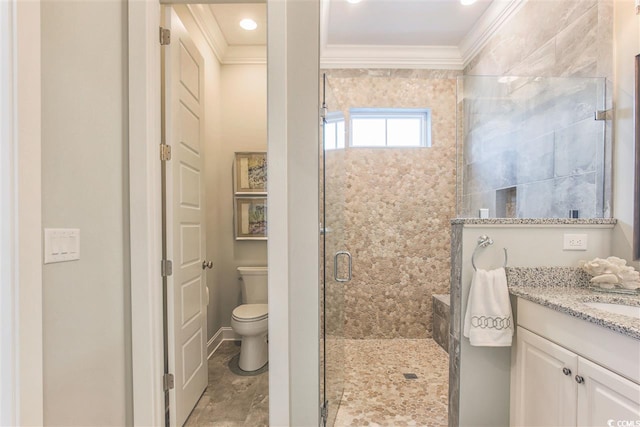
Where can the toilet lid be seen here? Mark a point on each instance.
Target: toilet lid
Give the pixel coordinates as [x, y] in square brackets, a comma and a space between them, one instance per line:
[250, 312]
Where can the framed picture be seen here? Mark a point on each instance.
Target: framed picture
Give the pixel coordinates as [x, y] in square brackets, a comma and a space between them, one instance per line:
[251, 218]
[250, 175]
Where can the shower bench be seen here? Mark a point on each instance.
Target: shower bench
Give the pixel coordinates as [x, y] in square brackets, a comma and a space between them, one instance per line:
[441, 318]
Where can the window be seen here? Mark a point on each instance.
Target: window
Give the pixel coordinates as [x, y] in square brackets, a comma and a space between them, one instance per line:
[334, 134]
[390, 127]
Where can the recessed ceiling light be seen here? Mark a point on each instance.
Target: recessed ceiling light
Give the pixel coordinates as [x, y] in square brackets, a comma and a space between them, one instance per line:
[467, 2]
[354, 1]
[248, 24]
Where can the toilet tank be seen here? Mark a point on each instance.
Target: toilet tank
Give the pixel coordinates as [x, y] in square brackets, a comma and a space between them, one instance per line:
[253, 284]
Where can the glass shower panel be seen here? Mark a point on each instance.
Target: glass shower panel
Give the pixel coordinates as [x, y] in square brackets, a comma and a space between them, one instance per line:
[531, 147]
[333, 247]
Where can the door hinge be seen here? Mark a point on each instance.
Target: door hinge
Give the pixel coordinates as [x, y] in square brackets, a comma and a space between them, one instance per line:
[165, 36]
[600, 115]
[165, 152]
[323, 112]
[168, 382]
[324, 412]
[166, 268]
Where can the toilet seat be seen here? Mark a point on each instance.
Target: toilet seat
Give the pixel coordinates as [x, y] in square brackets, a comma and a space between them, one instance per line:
[250, 312]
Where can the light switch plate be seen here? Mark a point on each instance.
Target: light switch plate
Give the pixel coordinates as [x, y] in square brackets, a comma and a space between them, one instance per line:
[61, 244]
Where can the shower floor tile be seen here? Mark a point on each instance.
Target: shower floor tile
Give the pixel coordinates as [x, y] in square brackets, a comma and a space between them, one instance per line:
[376, 392]
[231, 400]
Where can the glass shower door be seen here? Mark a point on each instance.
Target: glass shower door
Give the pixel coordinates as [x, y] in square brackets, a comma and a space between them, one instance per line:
[336, 260]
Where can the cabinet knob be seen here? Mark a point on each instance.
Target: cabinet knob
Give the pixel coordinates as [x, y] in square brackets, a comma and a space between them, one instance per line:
[579, 379]
[566, 371]
[207, 264]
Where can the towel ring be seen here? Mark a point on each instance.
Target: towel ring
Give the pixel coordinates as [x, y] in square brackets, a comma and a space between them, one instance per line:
[483, 242]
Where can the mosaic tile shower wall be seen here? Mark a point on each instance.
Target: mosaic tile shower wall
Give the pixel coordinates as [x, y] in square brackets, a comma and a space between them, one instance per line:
[397, 205]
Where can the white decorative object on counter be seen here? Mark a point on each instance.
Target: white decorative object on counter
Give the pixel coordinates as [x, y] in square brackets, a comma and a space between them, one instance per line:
[612, 272]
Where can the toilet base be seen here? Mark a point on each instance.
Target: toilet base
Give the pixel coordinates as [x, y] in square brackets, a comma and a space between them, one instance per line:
[254, 352]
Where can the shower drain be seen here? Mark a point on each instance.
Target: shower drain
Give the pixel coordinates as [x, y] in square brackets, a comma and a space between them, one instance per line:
[410, 376]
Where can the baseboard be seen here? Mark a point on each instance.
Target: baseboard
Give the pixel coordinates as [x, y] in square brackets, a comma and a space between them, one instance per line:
[224, 334]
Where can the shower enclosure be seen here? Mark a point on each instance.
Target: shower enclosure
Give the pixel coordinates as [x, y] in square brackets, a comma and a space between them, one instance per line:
[375, 198]
[532, 147]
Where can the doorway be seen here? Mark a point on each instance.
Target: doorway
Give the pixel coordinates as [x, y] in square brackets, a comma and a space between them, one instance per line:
[215, 101]
[293, 207]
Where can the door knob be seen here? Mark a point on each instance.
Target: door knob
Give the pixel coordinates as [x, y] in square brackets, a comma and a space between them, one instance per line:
[207, 264]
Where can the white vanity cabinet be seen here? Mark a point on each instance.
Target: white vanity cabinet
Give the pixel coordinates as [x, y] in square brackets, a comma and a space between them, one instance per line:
[553, 385]
[544, 395]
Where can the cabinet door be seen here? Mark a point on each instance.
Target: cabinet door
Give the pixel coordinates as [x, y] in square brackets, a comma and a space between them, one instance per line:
[604, 396]
[544, 394]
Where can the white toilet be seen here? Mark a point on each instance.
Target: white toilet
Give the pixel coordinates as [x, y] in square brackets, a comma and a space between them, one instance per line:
[250, 320]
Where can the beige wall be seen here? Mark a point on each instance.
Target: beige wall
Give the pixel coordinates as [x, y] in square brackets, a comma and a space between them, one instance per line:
[243, 128]
[397, 205]
[84, 185]
[627, 46]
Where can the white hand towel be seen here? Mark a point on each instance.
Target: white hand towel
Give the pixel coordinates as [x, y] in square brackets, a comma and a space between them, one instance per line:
[488, 321]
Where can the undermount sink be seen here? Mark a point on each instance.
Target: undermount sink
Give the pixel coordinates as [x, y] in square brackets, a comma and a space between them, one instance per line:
[625, 310]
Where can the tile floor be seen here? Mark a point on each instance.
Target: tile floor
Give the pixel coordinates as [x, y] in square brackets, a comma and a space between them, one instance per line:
[376, 392]
[231, 400]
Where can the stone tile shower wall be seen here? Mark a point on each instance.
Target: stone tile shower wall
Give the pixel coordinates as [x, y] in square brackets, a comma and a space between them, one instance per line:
[532, 148]
[397, 205]
[559, 38]
[551, 38]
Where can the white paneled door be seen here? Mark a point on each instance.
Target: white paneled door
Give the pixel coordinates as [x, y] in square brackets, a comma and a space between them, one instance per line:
[186, 304]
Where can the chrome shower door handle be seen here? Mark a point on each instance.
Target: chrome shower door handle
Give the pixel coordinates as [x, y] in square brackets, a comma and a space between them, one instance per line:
[336, 257]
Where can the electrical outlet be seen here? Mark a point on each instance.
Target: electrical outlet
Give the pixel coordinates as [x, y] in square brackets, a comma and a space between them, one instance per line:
[575, 242]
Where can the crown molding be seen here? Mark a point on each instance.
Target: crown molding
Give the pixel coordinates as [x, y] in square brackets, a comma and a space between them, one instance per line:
[236, 55]
[487, 26]
[359, 56]
[431, 57]
[366, 56]
[210, 29]
[226, 54]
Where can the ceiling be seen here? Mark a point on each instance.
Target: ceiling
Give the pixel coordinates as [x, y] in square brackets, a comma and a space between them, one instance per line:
[376, 33]
[228, 17]
[401, 22]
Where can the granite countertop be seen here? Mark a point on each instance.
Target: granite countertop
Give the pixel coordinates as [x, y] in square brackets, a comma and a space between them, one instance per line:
[535, 221]
[570, 300]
